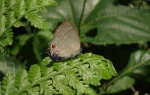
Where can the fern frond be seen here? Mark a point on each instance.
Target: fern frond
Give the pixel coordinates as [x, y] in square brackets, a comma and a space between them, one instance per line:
[2, 7]
[34, 74]
[30, 4]
[2, 24]
[19, 8]
[10, 18]
[18, 24]
[37, 21]
[46, 2]
[65, 77]
[22, 77]
[6, 39]
[12, 11]
[9, 37]
[8, 85]
[10, 3]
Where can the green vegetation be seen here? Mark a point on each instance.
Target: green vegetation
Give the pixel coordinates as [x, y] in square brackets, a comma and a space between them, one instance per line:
[117, 30]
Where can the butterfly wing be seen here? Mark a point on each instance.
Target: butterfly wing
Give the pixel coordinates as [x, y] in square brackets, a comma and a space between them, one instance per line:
[66, 41]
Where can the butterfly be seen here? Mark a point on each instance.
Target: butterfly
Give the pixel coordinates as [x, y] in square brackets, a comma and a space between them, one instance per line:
[65, 42]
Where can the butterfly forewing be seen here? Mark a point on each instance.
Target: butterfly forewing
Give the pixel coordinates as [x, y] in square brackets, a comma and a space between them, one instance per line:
[66, 41]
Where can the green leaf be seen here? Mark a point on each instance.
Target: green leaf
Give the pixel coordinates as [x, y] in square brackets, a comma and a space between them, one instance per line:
[30, 4]
[44, 70]
[20, 8]
[63, 77]
[47, 88]
[5, 40]
[10, 18]
[37, 21]
[8, 87]
[116, 24]
[103, 22]
[2, 24]
[18, 24]
[61, 86]
[106, 66]
[9, 64]
[33, 91]
[2, 7]
[34, 73]
[138, 60]
[90, 91]
[12, 11]
[10, 3]
[47, 2]
[38, 47]
[21, 80]
[120, 85]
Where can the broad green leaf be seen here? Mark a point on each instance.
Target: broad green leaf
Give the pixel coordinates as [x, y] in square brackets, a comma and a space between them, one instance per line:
[120, 85]
[103, 22]
[139, 65]
[9, 64]
[137, 61]
[67, 10]
[116, 24]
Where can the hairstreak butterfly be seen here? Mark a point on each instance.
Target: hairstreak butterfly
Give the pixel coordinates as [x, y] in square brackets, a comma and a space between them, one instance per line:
[65, 42]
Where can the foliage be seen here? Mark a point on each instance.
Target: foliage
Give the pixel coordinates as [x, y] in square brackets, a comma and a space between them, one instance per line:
[11, 13]
[137, 63]
[62, 78]
[104, 22]
[117, 29]
[12, 65]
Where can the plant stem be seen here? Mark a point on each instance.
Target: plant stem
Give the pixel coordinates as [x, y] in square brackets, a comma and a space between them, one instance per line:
[81, 16]
[126, 71]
